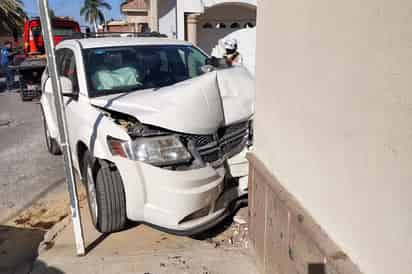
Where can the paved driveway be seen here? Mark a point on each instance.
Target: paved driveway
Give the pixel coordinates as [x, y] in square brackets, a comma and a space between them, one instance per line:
[26, 169]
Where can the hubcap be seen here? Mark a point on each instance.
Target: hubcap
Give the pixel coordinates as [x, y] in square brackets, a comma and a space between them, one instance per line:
[91, 189]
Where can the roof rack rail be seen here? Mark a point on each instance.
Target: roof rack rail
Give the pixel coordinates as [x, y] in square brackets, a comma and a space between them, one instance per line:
[81, 35]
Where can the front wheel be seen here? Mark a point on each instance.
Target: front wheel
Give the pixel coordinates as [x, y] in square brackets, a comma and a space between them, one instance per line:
[105, 195]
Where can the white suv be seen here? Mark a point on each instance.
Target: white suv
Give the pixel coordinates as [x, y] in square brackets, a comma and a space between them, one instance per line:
[155, 138]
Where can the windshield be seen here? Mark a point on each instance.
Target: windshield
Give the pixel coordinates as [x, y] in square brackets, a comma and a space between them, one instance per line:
[125, 69]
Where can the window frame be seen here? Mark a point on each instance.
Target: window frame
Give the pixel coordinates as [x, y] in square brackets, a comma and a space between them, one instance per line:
[61, 66]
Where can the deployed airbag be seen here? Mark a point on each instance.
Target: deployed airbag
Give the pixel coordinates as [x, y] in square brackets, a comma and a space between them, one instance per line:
[106, 79]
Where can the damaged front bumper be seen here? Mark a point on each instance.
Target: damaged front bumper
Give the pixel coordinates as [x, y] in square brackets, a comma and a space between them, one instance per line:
[183, 202]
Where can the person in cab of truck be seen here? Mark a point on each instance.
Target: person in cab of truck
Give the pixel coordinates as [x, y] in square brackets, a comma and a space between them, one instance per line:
[232, 56]
[6, 58]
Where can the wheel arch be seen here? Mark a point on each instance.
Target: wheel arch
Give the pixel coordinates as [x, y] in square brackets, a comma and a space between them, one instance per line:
[81, 150]
[133, 187]
[47, 114]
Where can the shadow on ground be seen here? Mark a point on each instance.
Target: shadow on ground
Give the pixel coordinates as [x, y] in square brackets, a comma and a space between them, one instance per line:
[218, 229]
[19, 251]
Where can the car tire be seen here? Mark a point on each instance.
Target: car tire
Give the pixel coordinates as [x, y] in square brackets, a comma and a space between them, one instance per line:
[51, 143]
[105, 195]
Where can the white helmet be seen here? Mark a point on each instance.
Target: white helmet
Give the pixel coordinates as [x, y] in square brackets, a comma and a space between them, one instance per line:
[230, 44]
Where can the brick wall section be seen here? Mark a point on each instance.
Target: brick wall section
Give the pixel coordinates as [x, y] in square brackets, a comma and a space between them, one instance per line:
[285, 238]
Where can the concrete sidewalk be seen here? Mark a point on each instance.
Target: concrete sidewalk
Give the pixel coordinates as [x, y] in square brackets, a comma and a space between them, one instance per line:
[143, 250]
[139, 249]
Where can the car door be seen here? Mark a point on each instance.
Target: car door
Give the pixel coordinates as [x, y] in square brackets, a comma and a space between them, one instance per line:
[48, 93]
[82, 119]
[73, 107]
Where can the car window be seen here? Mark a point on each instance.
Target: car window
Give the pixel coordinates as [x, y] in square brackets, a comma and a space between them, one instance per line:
[125, 69]
[68, 69]
[63, 31]
[59, 60]
[193, 59]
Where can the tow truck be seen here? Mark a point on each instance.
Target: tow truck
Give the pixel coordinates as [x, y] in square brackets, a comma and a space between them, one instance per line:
[34, 61]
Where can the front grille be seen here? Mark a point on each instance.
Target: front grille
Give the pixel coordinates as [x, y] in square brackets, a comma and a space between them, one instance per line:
[227, 142]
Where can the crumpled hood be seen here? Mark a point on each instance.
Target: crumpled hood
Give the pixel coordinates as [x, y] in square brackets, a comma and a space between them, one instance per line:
[197, 106]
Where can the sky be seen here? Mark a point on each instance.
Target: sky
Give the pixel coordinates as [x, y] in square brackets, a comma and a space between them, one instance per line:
[72, 8]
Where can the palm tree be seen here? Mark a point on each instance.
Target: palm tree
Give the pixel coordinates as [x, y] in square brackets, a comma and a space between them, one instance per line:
[12, 15]
[52, 14]
[92, 13]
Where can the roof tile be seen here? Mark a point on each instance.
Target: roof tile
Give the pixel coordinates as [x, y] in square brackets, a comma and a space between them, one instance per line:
[135, 5]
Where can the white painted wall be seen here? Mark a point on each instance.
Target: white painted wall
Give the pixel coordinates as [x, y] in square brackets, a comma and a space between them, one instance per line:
[211, 3]
[334, 119]
[167, 18]
[186, 6]
[198, 6]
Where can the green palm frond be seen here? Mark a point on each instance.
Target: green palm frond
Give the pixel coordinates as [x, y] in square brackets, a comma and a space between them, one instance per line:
[92, 11]
[12, 15]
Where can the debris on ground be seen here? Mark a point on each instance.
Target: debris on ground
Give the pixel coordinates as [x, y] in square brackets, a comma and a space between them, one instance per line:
[44, 215]
[233, 233]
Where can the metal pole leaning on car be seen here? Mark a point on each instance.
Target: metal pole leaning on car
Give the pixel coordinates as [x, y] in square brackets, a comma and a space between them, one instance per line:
[61, 119]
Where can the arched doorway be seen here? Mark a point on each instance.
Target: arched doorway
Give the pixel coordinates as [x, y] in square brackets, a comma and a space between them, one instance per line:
[220, 20]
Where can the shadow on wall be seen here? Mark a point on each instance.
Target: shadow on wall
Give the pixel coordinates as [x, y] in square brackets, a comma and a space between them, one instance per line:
[19, 251]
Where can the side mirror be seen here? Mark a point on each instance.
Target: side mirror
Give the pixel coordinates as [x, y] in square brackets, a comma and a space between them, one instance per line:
[216, 62]
[212, 61]
[67, 88]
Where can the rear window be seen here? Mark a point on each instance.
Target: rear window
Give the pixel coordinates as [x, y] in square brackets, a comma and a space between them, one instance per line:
[63, 31]
[58, 30]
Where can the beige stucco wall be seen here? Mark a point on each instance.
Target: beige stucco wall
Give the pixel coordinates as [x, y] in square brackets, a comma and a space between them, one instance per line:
[138, 17]
[334, 119]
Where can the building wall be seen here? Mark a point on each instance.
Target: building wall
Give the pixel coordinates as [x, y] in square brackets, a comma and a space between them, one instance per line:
[138, 17]
[183, 7]
[167, 18]
[198, 6]
[334, 120]
[226, 14]
[120, 28]
[211, 3]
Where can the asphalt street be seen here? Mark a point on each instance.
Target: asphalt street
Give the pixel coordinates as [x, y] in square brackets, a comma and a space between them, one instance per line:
[27, 170]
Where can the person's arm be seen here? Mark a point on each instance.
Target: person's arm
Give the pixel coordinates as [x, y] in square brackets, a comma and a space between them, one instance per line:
[11, 53]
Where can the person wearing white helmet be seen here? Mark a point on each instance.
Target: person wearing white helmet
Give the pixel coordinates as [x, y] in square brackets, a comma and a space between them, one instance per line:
[232, 56]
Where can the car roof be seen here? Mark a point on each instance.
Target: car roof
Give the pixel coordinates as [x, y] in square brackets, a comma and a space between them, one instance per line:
[108, 42]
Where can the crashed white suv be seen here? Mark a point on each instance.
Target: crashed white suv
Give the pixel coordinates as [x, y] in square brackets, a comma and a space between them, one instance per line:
[155, 137]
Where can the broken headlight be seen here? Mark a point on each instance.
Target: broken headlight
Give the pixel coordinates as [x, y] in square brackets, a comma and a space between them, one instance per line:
[158, 151]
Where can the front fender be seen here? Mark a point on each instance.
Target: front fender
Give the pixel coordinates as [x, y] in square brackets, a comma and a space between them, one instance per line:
[96, 142]
[48, 115]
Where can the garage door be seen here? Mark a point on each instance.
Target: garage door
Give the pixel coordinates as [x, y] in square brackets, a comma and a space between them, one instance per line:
[210, 32]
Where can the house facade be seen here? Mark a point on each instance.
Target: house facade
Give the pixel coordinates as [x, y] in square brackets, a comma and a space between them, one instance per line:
[204, 22]
[139, 16]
